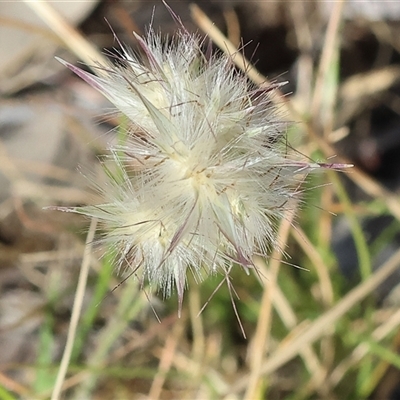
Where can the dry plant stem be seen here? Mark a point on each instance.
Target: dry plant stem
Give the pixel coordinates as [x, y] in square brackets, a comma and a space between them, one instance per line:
[324, 323]
[76, 312]
[329, 47]
[166, 359]
[31, 28]
[288, 317]
[74, 41]
[319, 264]
[261, 337]
[225, 45]
[208, 27]
[362, 349]
[233, 26]
[281, 303]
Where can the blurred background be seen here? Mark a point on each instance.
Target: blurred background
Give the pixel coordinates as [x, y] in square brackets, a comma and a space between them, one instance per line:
[326, 330]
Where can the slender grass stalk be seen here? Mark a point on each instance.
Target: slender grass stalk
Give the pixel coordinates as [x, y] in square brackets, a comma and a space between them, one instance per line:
[80, 291]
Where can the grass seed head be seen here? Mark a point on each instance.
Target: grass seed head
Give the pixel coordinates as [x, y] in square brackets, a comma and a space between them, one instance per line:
[203, 175]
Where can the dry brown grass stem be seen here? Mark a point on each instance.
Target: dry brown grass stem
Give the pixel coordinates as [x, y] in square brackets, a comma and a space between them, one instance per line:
[290, 320]
[326, 289]
[72, 39]
[233, 26]
[76, 312]
[208, 27]
[329, 48]
[226, 45]
[167, 355]
[259, 344]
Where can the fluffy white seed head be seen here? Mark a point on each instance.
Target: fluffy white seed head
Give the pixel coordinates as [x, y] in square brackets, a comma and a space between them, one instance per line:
[203, 174]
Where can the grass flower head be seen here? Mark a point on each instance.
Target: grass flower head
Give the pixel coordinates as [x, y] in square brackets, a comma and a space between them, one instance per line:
[203, 175]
